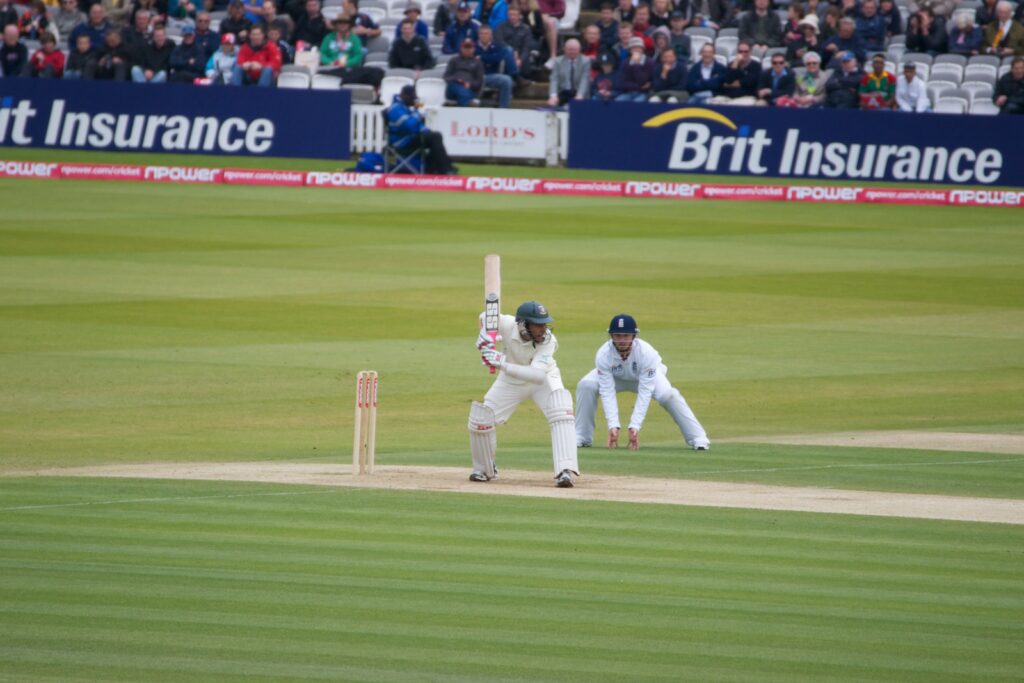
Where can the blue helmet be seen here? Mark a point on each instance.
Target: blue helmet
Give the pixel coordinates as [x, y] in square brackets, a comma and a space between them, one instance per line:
[533, 312]
[623, 324]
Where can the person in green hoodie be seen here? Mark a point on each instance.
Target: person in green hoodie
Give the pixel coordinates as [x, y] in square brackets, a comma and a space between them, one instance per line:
[341, 54]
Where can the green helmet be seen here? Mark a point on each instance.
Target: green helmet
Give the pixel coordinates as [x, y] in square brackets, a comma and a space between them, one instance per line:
[533, 312]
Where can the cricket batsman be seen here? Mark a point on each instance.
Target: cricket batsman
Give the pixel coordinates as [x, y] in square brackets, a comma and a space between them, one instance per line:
[627, 363]
[527, 369]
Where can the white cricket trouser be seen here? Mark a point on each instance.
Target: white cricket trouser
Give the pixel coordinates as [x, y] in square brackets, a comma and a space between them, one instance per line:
[588, 395]
[503, 398]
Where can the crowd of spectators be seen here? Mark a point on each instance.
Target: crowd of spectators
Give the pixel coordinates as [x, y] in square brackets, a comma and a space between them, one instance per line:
[867, 54]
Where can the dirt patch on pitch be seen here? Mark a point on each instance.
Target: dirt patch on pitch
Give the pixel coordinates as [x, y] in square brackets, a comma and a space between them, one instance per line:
[590, 487]
[930, 441]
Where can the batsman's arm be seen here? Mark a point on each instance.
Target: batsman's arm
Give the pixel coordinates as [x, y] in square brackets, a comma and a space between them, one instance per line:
[525, 373]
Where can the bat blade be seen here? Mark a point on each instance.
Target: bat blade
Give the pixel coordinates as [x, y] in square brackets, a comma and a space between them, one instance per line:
[492, 295]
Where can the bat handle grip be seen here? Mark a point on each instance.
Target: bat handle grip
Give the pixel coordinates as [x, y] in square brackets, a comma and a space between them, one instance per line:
[494, 338]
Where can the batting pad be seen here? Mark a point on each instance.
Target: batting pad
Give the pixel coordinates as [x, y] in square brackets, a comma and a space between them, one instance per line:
[563, 431]
[483, 439]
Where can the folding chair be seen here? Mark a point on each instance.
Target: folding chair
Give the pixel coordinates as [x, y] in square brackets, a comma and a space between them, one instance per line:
[397, 161]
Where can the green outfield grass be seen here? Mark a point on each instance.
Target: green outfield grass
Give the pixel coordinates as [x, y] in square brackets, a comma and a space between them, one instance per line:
[168, 323]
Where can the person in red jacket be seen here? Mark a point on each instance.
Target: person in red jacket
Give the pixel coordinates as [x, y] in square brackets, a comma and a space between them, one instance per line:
[48, 61]
[259, 61]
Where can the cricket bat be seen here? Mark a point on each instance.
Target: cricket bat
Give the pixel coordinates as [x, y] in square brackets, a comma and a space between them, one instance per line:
[492, 295]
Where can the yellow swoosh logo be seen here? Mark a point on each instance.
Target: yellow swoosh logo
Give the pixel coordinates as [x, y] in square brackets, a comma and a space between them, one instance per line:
[688, 113]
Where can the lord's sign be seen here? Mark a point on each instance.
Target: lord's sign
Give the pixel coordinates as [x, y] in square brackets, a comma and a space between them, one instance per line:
[819, 143]
[185, 119]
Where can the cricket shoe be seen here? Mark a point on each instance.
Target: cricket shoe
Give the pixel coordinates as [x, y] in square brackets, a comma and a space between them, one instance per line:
[480, 476]
[584, 444]
[702, 447]
[564, 480]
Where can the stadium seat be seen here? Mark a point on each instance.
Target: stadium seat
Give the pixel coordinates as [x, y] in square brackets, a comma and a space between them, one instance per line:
[361, 94]
[391, 86]
[442, 59]
[383, 66]
[1003, 70]
[950, 59]
[936, 88]
[381, 43]
[325, 82]
[946, 71]
[894, 53]
[436, 72]
[723, 51]
[984, 59]
[308, 58]
[401, 73]
[726, 45]
[431, 91]
[567, 24]
[379, 4]
[375, 56]
[950, 105]
[981, 72]
[331, 13]
[293, 80]
[918, 57]
[979, 90]
[697, 41]
[984, 108]
[378, 14]
[706, 32]
[729, 33]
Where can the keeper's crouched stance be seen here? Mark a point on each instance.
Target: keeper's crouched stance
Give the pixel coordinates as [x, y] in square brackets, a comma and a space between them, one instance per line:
[527, 369]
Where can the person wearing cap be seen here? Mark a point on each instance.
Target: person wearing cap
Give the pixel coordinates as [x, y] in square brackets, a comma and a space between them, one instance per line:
[607, 25]
[636, 74]
[259, 61]
[491, 12]
[342, 54]
[602, 86]
[845, 40]
[236, 22]
[877, 88]
[872, 27]
[761, 27]
[706, 77]
[499, 66]
[517, 36]
[311, 28]
[464, 75]
[413, 13]
[841, 89]
[222, 62]
[188, 60]
[808, 41]
[809, 89]
[570, 78]
[463, 27]
[626, 363]
[409, 50]
[363, 24]
[677, 37]
[911, 92]
[407, 132]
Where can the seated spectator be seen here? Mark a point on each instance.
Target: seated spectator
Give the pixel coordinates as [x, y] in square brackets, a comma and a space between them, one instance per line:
[662, 39]
[1009, 95]
[154, 9]
[911, 92]
[13, 53]
[636, 74]
[830, 26]
[791, 30]
[499, 66]
[602, 87]
[761, 27]
[95, 28]
[221, 64]
[236, 23]
[940, 9]
[47, 61]
[624, 11]
[363, 24]
[661, 13]
[808, 87]
[267, 15]
[413, 13]
[709, 13]
[986, 14]
[35, 21]
[188, 60]
[741, 77]
[670, 78]
[642, 27]
[677, 36]
[591, 44]
[463, 27]
[206, 38]
[871, 27]
[807, 42]
[621, 48]
[258, 62]
[518, 36]
[182, 9]
[81, 62]
[491, 13]
[845, 40]
[342, 52]
[552, 11]
[136, 36]
[154, 62]
[277, 33]
[607, 26]
[118, 12]
[570, 78]
[841, 90]
[67, 17]
[706, 76]
[775, 82]
[965, 38]
[925, 33]
[113, 59]
[890, 12]
[444, 16]
[464, 74]
[407, 132]
[877, 88]
[410, 50]
[252, 9]
[534, 20]
[1004, 36]
[9, 13]
[311, 28]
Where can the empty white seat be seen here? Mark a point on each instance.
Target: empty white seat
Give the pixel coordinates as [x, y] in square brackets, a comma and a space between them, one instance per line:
[295, 80]
[391, 86]
[431, 91]
[951, 105]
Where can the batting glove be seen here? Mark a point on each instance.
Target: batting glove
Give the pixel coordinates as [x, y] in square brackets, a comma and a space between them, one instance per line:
[484, 340]
[492, 357]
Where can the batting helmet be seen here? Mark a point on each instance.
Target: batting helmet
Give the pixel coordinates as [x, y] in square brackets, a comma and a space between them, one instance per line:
[533, 312]
[623, 324]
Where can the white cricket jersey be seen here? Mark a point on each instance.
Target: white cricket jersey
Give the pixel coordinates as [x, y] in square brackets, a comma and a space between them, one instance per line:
[639, 369]
[522, 352]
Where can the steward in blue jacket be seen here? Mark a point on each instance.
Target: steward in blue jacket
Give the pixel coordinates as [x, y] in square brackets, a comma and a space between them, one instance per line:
[407, 132]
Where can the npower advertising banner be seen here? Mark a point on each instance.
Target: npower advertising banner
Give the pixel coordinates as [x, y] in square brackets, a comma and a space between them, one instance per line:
[813, 143]
[185, 119]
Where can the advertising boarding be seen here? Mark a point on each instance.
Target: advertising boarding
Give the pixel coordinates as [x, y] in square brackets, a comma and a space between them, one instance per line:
[174, 118]
[822, 144]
